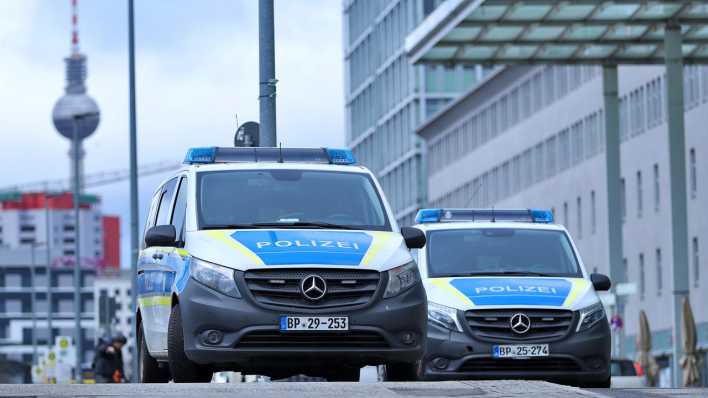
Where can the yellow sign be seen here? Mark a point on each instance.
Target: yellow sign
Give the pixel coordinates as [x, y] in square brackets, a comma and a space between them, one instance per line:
[64, 343]
[52, 356]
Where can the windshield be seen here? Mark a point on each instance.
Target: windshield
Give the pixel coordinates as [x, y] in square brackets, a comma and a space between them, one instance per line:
[289, 198]
[496, 251]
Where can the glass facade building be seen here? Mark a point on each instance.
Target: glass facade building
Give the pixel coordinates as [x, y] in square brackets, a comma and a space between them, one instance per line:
[387, 98]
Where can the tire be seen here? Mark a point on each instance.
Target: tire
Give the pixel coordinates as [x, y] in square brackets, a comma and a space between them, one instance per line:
[182, 369]
[598, 384]
[149, 370]
[345, 375]
[403, 371]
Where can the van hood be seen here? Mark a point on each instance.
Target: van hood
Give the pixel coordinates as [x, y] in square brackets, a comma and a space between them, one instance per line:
[270, 248]
[467, 293]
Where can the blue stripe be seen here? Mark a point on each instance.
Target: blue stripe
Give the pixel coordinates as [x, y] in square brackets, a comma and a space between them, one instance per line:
[514, 291]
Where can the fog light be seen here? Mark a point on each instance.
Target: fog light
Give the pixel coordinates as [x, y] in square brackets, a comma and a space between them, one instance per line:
[441, 363]
[213, 337]
[408, 338]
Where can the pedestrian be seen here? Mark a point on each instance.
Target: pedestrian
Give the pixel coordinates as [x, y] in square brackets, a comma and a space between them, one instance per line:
[108, 361]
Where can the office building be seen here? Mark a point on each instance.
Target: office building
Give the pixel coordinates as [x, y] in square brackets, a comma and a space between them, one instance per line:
[533, 136]
[387, 98]
[27, 222]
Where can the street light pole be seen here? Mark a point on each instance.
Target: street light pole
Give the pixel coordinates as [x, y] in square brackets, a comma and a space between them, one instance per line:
[47, 227]
[76, 192]
[267, 80]
[134, 229]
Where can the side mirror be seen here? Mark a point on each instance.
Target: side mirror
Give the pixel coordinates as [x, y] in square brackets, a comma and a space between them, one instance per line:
[600, 282]
[415, 238]
[161, 235]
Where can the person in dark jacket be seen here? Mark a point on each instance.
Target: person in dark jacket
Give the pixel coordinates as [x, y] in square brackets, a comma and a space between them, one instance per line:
[108, 362]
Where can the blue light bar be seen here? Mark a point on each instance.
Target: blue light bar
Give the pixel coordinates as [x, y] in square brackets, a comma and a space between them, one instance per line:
[200, 155]
[484, 215]
[428, 215]
[269, 154]
[340, 156]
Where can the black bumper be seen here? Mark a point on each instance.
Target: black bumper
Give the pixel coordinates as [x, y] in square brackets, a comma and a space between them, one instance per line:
[374, 336]
[579, 358]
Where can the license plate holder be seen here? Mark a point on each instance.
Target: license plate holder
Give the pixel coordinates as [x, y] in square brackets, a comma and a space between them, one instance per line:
[293, 323]
[520, 351]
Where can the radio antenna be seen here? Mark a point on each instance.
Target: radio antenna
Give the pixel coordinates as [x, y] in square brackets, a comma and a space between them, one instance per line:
[281, 152]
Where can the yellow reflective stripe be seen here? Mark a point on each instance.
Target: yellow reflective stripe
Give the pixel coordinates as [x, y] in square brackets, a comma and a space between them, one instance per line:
[226, 238]
[182, 252]
[444, 283]
[380, 240]
[579, 286]
[152, 301]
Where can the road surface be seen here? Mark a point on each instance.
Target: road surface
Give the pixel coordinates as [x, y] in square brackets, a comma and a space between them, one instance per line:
[484, 389]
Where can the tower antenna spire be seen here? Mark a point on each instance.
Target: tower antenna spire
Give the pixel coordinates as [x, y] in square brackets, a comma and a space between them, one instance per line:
[74, 27]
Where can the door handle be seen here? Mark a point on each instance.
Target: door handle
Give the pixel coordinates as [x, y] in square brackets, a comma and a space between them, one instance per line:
[157, 256]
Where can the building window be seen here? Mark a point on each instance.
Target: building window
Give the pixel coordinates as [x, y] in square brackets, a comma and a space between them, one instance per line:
[27, 228]
[640, 199]
[623, 199]
[696, 264]
[580, 217]
[657, 188]
[593, 213]
[659, 273]
[642, 277]
[693, 176]
[566, 221]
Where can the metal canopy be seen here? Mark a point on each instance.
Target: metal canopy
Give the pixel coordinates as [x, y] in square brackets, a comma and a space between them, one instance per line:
[554, 31]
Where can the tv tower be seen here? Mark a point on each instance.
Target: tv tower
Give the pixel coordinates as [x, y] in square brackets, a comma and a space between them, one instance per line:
[76, 113]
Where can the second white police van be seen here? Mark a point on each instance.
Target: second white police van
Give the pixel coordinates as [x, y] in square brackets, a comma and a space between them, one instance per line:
[509, 297]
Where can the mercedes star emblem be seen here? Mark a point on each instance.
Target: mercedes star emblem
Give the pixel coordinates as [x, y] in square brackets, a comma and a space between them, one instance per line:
[313, 287]
[520, 323]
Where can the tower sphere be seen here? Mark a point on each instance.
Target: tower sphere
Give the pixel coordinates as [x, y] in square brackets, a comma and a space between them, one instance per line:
[70, 105]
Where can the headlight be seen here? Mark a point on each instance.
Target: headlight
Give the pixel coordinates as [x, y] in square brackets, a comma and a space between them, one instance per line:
[590, 315]
[401, 278]
[214, 276]
[443, 316]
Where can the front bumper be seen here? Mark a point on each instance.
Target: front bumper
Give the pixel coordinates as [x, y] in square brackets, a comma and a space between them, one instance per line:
[375, 335]
[578, 358]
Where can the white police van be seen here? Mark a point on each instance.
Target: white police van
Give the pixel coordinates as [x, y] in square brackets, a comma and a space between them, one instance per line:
[509, 297]
[276, 262]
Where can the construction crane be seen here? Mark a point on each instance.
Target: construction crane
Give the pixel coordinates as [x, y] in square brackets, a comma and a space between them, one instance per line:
[93, 180]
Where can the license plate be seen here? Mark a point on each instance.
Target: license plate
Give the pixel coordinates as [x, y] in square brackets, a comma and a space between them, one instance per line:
[313, 323]
[520, 350]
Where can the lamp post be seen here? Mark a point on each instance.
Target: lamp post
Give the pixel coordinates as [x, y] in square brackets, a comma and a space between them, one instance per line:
[76, 192]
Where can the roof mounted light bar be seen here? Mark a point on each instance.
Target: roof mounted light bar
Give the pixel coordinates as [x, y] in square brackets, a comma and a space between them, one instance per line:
[484, 215]
[208, 155]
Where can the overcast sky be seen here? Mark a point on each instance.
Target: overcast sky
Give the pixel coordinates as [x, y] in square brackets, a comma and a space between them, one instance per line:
[197, 66]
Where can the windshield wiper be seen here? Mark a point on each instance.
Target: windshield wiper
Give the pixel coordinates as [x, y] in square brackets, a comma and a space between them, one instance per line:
[308, 224]
[232, 226]
[495, 273]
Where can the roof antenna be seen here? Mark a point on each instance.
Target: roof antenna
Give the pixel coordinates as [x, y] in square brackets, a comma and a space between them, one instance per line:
[494, 218]
[281, 152]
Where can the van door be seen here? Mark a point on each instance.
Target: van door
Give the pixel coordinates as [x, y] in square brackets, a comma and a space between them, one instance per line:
[154, 282]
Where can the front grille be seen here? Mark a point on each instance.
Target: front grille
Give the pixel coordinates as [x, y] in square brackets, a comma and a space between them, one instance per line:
[494, 325]
[281, 287]
[275, 339]
[519, 365]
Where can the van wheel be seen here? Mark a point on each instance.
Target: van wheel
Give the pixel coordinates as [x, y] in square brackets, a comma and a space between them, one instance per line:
[183, 370]
[344, 374]
[403, 371]
[598, 384]
[149, 370]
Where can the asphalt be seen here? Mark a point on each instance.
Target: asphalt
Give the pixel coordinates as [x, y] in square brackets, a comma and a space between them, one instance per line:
[485, 389]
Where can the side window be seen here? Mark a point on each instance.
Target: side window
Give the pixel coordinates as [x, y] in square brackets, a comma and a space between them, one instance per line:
[163, 212]
[180, 211]
[150, 222]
